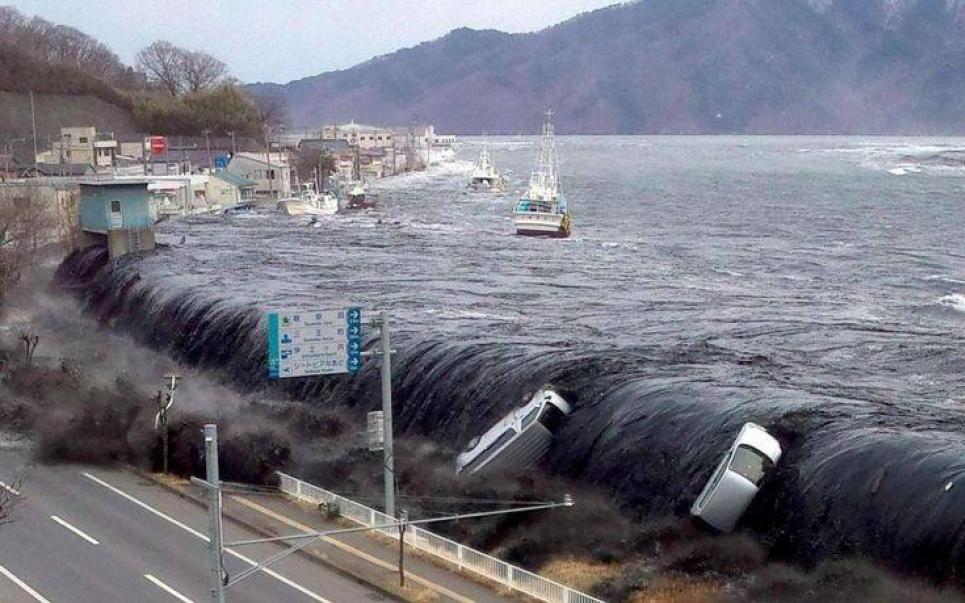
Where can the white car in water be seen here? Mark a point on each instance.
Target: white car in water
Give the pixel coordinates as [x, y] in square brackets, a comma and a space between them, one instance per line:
[519, 440]
[737, 478]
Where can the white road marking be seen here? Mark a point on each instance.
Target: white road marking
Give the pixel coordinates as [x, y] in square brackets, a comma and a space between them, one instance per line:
[37, 597]
[75, 530]
[198, 534]
[9, 489]
[168, 589]
[352, 550]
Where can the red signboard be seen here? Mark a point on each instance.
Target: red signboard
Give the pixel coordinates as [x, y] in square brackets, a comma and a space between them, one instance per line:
[159, 145]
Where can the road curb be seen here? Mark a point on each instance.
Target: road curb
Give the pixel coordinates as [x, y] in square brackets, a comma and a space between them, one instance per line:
[392, 592]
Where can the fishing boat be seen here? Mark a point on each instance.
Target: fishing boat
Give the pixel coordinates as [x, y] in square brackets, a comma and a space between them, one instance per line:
[309, 203]
[485, 176]
[542, 212]
[358, 198]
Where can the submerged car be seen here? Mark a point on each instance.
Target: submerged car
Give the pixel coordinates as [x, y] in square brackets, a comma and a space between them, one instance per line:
[519, 440]
[737, 478]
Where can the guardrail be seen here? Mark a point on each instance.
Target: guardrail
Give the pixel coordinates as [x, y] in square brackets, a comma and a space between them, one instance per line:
[459, 555]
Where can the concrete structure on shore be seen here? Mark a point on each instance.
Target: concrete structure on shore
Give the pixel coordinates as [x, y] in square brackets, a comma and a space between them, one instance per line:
[117, 215]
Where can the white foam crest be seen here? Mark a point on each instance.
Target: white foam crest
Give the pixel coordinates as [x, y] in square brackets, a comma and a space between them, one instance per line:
[955, 301]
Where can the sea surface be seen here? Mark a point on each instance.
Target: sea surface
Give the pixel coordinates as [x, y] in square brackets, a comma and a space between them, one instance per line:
[813, 285]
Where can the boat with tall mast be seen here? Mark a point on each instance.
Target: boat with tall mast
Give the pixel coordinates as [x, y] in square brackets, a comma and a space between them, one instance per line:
[542, 210]
[485, 176]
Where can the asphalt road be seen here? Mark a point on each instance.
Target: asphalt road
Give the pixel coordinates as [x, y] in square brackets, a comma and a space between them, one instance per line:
[85, 534]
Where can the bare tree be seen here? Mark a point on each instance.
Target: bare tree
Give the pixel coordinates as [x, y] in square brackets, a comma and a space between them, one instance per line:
[11, 23]
[69, 45]
[272, 111]
[163, 63]
[202, 71]
[27, 223]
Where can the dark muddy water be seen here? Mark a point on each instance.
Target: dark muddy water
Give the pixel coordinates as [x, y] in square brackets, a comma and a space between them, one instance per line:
[816, 286]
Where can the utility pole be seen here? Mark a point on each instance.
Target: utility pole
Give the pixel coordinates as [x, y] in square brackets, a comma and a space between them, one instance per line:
[233, 147]
[403, 524]
[33, 124]
[388, 456]
[161, 419]
[207, 146]
[215, 546]
[271, 188]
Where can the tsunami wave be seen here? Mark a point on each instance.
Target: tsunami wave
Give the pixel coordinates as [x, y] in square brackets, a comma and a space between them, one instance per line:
[864, 472]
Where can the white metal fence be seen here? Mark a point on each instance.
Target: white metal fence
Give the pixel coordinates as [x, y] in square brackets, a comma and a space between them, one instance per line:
[461, 556]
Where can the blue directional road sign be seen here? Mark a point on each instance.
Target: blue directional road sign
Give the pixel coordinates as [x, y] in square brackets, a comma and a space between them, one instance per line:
[323, 342]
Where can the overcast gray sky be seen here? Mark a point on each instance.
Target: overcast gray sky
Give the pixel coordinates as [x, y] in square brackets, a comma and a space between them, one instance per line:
[281, 40]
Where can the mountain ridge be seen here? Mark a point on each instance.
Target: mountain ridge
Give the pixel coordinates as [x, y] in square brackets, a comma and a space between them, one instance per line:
[671, 67]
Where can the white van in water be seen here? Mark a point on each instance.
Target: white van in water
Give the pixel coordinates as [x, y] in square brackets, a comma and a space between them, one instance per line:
[737, 478]
[519, 440]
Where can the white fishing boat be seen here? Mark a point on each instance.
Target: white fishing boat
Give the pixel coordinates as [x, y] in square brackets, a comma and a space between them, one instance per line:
[309, 203]
[485, 176]
[542, 210]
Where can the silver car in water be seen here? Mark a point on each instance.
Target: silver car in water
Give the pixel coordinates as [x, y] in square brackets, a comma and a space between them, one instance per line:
[737, 478]
[518, 441]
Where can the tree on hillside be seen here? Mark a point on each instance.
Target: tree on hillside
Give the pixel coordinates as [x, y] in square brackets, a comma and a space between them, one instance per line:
[52, 43]
[178, 70]
[202, 71]
[162, 62]
[272, 111]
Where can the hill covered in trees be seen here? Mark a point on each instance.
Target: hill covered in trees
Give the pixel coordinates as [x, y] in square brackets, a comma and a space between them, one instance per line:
[75, 77]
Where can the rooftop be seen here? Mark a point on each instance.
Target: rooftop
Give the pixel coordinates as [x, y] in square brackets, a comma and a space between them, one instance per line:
[114, 182]
[277, 159]
[233, 179]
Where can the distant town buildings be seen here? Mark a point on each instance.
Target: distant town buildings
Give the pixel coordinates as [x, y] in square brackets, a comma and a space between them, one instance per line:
[360, 135]
[115, 190]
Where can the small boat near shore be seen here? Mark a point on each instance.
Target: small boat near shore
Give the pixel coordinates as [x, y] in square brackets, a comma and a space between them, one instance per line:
[542, 210]
[309, 203]
[485, 176]
[357, 197]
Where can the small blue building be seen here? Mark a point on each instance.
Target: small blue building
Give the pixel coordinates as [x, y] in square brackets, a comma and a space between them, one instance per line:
[116, 214]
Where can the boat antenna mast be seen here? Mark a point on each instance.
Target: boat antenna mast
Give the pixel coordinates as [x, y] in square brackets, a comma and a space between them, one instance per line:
[545, 173]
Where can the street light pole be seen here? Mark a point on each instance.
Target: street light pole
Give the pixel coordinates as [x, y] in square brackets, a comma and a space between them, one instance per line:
[215, 546]
[388, 455]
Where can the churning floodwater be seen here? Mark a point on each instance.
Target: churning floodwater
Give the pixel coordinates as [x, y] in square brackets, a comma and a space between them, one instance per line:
[813, 285]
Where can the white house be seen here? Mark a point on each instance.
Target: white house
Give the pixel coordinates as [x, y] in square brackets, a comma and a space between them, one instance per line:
[271, 173]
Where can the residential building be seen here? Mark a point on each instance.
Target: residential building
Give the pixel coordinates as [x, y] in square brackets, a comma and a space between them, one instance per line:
[271, 173]
[225, 189]
[82, 146]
